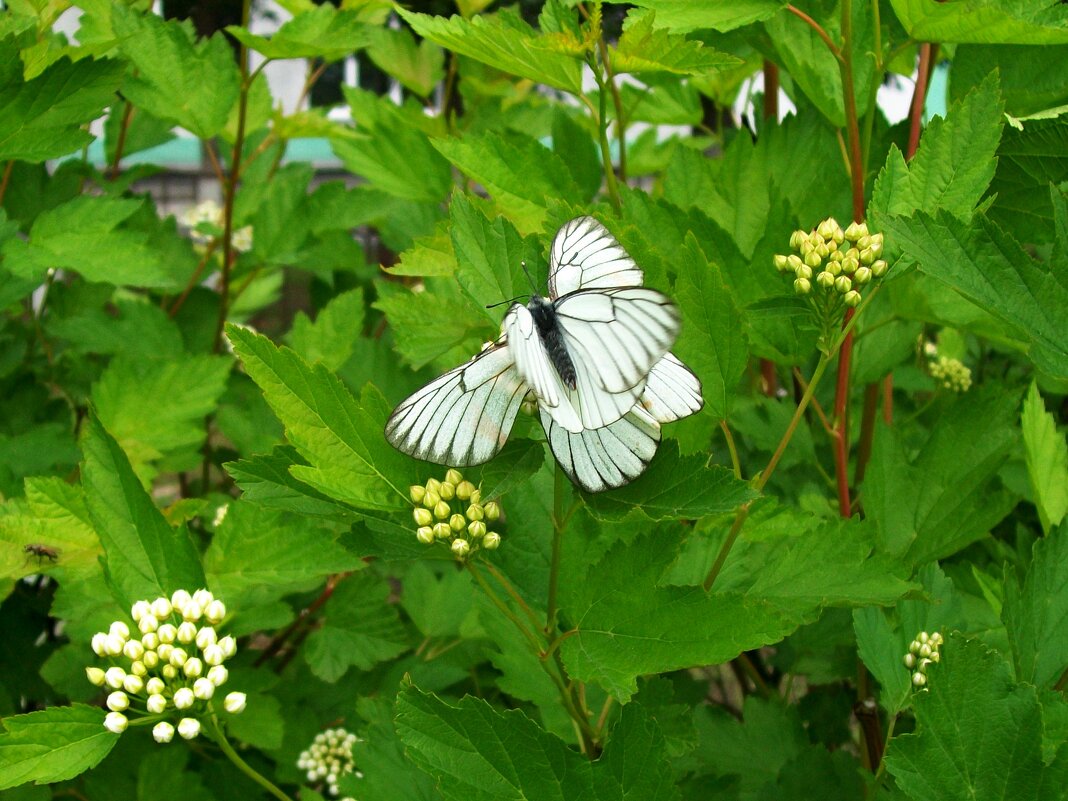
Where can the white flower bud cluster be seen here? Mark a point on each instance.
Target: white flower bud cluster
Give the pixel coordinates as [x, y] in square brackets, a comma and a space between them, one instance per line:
[452, 512]
[951, 374]
[206, 221]
[172, 661]
[923, 651]
[833, 264]
[328, 758]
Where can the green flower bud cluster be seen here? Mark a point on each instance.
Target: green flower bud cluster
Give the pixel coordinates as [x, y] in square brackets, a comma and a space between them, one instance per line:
[923, 651]
[452, 512]
[328, 758]
[951, 374]
[830, 267]
[172, 669]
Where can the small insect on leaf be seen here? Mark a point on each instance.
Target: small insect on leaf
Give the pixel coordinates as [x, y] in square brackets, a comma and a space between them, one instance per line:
[42, 552]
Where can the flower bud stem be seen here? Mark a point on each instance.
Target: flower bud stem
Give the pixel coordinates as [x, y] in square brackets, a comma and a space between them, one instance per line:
[216, 733]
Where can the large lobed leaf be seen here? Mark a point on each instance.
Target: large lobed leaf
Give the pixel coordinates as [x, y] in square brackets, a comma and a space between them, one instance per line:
[683, 16]
[323, 32]
[984, 21]
[52, 745]
[1047, 460]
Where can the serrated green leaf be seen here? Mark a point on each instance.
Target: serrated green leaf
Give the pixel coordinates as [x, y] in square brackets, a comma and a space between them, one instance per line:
[265, 479]
[954, 164]
[984, 21]
[1028, 161]
[333, 336]
[142, 131]
[1030, 83]
[52, 745]
[281, 223]
[674, 487]
[340, 437]
[418, 67]
[503, 41]
[429, 256]
[321, 32]
[978, 735]
[1035, 613]
[987, 266]
[519, 172]
[713, 341]
[388, 772]
[145, 557]
[44, 117]
[55, 517]
[575, 146]
[516, 463]
[644, 48]
[360, 628]
[683, 16]
[194, 84]
[1047, 460]
[134, 328]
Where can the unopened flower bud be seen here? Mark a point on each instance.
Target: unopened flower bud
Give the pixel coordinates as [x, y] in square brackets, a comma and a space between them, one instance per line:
[431, 499]
[475, 512]
[193, 667]
[910, 661]
[442, 510]
[178, 657]
[476, 497]
[184, 698]
[492, 511]
[936, 657]
[133, 649]
[843, 284]
[118, 701]
[923, 637]
[167, 633]
[206, 636]
[203, 597]
[925, 650]
[461, 547]
[188, 728]
[425, 535]
[918, 679]
[813, 259]
[203, 688]
[215, 611]
[935, 637]
[802, 286]
[491, 540]
[169, 672]
[114, 676]
[422, 517]
[161, 607]
[453, 476]
[115, 722]
[163, 732]
[234, 703]
[139, 610]
[879, 268]
[863, 242]
[794, 262]
[113, 644]
[822, 250]
[825, 280]
[477, 529]
[213, 655]
[156, 704]
[139, 668]
[457, 522]
[192, 612]
[179, 598]
[867, 256]
[433, 485]
[442, 531]
[798, 238]
[97, 643]
[464, 490]
[416, 493]
[862, 275]
[923, 665]
[781, 263]
[229, 645]
[119, 629]
[914, 647]
[827, 228]
[804, 271]
[447, 491]
[851, 298]
[855, 231]
[155, 685]
[95, 676]
[187, 632]
[150, 641]
[165, 650]
[133, 684]
[218, 674]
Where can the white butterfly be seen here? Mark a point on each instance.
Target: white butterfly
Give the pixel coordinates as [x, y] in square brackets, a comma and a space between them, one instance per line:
[594, 354]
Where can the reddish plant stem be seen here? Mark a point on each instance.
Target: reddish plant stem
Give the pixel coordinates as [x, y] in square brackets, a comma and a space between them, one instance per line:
[888, 399]
[275, 645]
[867, 430]
[120, 145]
[769, 381]
[6, 178]
[841, 419]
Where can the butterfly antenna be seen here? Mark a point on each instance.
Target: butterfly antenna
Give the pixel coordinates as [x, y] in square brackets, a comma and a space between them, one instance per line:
[530, 278]
[510, 300]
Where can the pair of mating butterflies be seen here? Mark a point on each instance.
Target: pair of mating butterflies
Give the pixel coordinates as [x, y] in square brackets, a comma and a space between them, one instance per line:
[594, 354]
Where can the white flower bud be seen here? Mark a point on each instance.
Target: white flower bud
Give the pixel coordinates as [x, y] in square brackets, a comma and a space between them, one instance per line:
[114, 676]
[914, 646]
[161, 607]
[192, 612]
[923, 638]
[442, 510]
[169, 672]
[218, 675]
[188, 728]
[423, 517]
[464, 490]
[425, 535]
[918, 679]
[156, 704]
[167, 633]
[119, 629]
[851, 298]
[163, 732]
[910, 661]
[228, 645]
[95, 676]
[147, 623]
[491, 541]
[477, 529]
[213, 655]
[205, 637]
[150, 641]
[133, 684]
[925, 650]
[118, 701]
[184, 698]
[442, 531]
[457, 523]
[179, 598]
[113, 644]
[97, 643]
[193, 667]
[164, 651]
[492, 511]
[203, 597]
[187, 632]
[155, 685]
[133, 649]
[115, 722]
[234, 703]
[138, 668]
[139, 610]
[203, 689]
[178, 657]
[461, 547]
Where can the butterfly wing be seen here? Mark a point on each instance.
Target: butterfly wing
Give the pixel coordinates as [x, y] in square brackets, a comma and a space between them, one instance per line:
[463, 417]
[672, 391]
[534, 366]
[584, 255]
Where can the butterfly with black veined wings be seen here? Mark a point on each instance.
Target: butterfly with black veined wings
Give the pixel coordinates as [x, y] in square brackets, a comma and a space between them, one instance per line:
[595, 355]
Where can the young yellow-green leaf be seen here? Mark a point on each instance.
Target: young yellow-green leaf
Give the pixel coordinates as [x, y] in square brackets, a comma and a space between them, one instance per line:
[419, 67]
[335, 332]
[94, 236]
[52, 745]
[1035, 614]
[360, 628]
[341, 437]
[683, 16]
[644, 48]
[145, 557]
[954, 163]
[504, 41]
[323, 32]
[519, 172]
[978, 734]
[430, 255]
[1047, 460]
[984, 21]
[193, 84]
[44, 118]
[713, 341]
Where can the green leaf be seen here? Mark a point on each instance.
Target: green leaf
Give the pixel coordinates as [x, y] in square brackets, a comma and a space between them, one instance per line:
[1035, 614]
[96, 237]
[1030, 83]
[322, 32]
[946, 496]
[142, 131]
[52, 745]
[516, 463]
[645, 49]
[360, 629]
[683, 16]
[340, 437]
[387, 771]
[333, 336]
[132, 327]
[193, 84]
[145, 557]
[43, 118]
[265, 479]
[954, 164]
[978, 735]
[575, 145]
[1028, 161]
[628, 626]
[984, 21]
[504, 41]
[281, 223]
[713, 341]
[418, 67]
[519, 172]
[987, 266]
[674, 487]
[1047, 460]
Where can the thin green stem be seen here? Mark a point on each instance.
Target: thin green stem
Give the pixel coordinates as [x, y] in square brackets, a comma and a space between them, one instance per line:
[601, 113]
[558, 533]
[513, 593]
[532, 639]
[735, 463]
[617, 102]
[886, 745]
[242, 765]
